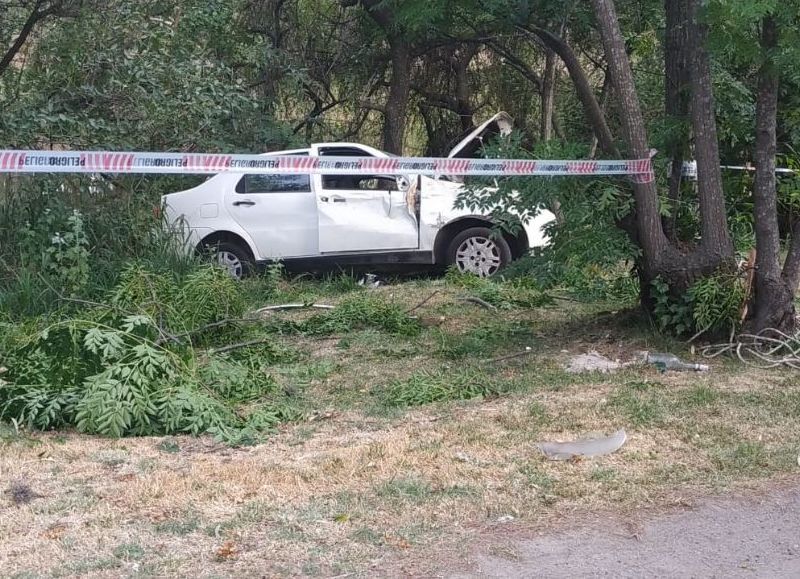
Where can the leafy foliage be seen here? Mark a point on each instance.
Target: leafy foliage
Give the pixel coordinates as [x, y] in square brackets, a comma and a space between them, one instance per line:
[427, 388]
[110, 373]
[711, 306]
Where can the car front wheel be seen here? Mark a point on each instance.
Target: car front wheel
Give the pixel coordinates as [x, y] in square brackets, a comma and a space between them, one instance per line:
[479, 251]
[232, 257]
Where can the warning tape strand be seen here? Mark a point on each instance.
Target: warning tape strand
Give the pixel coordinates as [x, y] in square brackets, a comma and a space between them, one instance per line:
[19, 161]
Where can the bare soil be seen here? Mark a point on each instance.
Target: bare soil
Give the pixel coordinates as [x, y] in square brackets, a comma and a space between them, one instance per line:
[752, 536]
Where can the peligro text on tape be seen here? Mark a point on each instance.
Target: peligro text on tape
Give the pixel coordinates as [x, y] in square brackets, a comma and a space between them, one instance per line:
[14, 161]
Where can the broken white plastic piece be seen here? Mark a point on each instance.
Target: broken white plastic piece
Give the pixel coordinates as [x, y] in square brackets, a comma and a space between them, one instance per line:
[588, 447]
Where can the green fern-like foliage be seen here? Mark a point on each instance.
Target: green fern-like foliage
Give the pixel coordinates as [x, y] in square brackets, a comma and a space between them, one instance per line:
[111, 372]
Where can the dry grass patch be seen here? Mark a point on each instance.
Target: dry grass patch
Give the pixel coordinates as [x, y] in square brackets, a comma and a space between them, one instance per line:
[411, 444]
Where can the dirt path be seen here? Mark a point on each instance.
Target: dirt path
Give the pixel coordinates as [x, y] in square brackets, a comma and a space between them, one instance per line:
[754, 537]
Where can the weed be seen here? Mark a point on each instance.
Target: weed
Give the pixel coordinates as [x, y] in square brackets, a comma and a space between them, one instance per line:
[603, 474]
[111, 458]
[701, 396]
[129, 552]
[505, 295]
[169, 445]
[426, 387]
[178, 527]
[362, 311]
[481, 342]
[405, 489]
[253, 512]
[536, 477]
[743, 457]
[538, 414]
[367, 536]
[642, 408]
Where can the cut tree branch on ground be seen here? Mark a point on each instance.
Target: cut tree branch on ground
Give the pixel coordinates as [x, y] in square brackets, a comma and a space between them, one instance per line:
[423, 302]
[479, 302]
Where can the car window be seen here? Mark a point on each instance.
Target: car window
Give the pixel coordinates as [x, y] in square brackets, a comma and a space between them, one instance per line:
[355, 182]
[274, 184]
[359, 183]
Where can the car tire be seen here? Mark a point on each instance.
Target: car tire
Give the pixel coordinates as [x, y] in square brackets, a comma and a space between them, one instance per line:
[480, 251]
[231, 256]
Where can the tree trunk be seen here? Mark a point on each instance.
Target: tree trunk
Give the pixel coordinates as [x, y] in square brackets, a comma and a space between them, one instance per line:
[548, 96]
[461, 61]
[648, 219]
[774, 296]
[394, 122]
[676, 102]
[660, 258]
[716, 239]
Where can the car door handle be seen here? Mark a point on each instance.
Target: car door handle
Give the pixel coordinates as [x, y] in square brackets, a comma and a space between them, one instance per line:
[338, 199]
[245, 203]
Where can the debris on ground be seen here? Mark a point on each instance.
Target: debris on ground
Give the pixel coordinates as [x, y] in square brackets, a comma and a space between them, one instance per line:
[666, 362]
[21, 493]
[587, 447]
[283, 307]
[594, 362]
[370, 280]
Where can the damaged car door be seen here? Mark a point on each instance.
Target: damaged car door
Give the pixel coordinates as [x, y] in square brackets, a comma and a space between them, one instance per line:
[363, 213]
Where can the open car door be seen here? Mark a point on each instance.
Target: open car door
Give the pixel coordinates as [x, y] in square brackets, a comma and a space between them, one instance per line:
[362, 213]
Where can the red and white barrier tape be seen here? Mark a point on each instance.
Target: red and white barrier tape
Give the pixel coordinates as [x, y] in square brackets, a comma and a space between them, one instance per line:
[12, 161]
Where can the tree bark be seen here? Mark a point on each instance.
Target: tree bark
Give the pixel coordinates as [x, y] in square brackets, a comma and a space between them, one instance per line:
[394, 120]
[648, 219]
[774, 296]
[394, 113]
[714, 228]
[676, 102]
[548, 96]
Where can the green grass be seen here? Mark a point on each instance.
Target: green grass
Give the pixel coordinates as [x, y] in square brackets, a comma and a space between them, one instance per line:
[447, 385]
[640, 404]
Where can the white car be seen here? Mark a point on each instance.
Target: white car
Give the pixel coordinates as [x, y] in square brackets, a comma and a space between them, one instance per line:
[305, 220]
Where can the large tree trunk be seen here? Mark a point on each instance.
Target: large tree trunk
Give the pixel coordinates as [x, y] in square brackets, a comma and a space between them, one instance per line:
[660, 258]
[716, 239]
[648, 219]
[774, 297]
[676, 102]
[394, 123]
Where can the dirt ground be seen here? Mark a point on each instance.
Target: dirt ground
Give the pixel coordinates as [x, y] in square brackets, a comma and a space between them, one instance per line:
[363, 486]
[757, 535]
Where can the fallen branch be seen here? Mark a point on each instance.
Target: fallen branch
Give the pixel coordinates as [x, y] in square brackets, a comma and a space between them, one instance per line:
[227, 322]
[239, 346]
[293, 307]
[423, 302]
[480, 302]
[528, 351]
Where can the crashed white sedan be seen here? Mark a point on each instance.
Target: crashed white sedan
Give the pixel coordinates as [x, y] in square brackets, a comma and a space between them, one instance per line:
[348, 220]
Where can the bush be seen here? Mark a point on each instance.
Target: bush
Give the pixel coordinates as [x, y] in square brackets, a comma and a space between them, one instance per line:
[711, 306]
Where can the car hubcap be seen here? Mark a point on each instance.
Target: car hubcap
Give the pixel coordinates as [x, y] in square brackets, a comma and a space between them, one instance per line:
[480, 256]
[230, 262]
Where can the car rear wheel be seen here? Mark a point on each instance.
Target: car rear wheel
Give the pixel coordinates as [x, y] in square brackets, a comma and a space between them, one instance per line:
[479, 251]
[232, 257]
